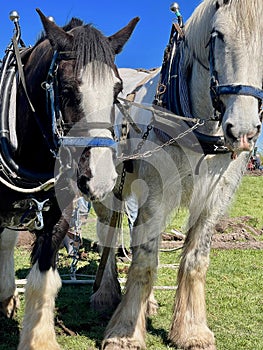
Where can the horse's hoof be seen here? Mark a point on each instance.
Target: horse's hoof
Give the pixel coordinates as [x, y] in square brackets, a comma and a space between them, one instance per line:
[194, 345]
[9, 306]
[121, 344]
[209, 347]
[202, 339]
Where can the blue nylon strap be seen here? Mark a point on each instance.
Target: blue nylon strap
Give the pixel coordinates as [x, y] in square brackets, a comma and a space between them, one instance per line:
[68, 141]
[239, 90]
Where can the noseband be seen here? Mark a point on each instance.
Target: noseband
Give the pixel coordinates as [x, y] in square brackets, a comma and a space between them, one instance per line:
[53, 109]
[216, 89]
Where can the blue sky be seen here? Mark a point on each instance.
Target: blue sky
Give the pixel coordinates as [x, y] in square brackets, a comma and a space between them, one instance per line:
[145, 48]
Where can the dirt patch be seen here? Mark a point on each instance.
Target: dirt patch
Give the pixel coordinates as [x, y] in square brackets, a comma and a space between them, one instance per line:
[25, 240]
[237, 233]
[254, 173]
[230, 233]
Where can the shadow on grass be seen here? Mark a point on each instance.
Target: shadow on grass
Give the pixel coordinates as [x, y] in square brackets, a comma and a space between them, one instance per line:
[9, 328]
[158, 332]
[9, 333]
[75, 315]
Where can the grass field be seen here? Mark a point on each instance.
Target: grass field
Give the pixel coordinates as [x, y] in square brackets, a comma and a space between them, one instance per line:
[234, 294]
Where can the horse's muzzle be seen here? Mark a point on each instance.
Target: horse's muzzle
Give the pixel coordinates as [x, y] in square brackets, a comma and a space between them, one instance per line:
[242, 141]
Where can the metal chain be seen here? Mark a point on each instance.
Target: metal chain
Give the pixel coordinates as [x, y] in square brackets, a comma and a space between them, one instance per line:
[144, 138]
[137, 155]
[121, 185]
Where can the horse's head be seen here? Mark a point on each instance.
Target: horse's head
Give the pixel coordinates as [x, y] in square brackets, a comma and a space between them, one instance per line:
[236, 50]
[225, 47]
[88, 84]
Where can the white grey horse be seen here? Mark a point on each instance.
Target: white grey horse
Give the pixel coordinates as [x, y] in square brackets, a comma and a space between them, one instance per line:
[223, 40]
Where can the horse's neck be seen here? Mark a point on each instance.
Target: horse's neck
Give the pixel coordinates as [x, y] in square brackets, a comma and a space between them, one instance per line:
[200, 100]
[143, 84]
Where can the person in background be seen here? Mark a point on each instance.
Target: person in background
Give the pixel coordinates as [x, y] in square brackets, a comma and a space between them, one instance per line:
[257, 161]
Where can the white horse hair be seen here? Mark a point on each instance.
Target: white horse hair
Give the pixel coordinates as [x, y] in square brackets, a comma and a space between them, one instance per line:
[177, 176]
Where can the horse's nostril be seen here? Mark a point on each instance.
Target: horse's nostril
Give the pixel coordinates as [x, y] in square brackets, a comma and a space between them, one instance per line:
[251, 135]
[82, 184]
[229, 131]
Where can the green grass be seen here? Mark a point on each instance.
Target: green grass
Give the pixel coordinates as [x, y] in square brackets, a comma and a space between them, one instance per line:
[234, 293]
[248, 200]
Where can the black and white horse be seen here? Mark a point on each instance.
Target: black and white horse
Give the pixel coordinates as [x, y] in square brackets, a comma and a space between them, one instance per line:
[62, 93]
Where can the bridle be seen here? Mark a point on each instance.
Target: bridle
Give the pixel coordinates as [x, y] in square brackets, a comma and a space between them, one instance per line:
[12, 174]
[216, 89]
[54, 111]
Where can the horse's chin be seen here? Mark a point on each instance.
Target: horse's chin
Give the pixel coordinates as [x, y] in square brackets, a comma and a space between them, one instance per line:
[240, 146]
[96, 194]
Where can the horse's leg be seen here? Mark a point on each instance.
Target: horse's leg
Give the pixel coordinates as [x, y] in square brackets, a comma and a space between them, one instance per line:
[108, 295]
[38, 331]
[8, 294]
[189, 328]
[152, 305]
[126, 329]
[43, 283]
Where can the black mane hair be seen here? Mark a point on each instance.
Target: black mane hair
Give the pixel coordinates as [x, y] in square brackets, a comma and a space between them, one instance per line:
[89, 44]
[73, 23]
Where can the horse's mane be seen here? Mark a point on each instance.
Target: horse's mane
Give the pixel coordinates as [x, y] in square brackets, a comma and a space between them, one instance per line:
[89, 44]
[199, 25]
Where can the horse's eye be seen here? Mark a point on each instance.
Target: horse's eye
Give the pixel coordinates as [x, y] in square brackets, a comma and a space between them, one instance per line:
[67, 90]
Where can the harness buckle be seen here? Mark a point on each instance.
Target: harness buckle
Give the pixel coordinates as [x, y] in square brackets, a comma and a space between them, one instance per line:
[33, 215]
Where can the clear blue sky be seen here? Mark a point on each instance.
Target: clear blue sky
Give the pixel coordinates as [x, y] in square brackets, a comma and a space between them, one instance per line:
[145, 48]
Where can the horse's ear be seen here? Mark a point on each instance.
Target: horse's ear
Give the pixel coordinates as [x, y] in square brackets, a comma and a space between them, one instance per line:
[59, 39]
[119, 39]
